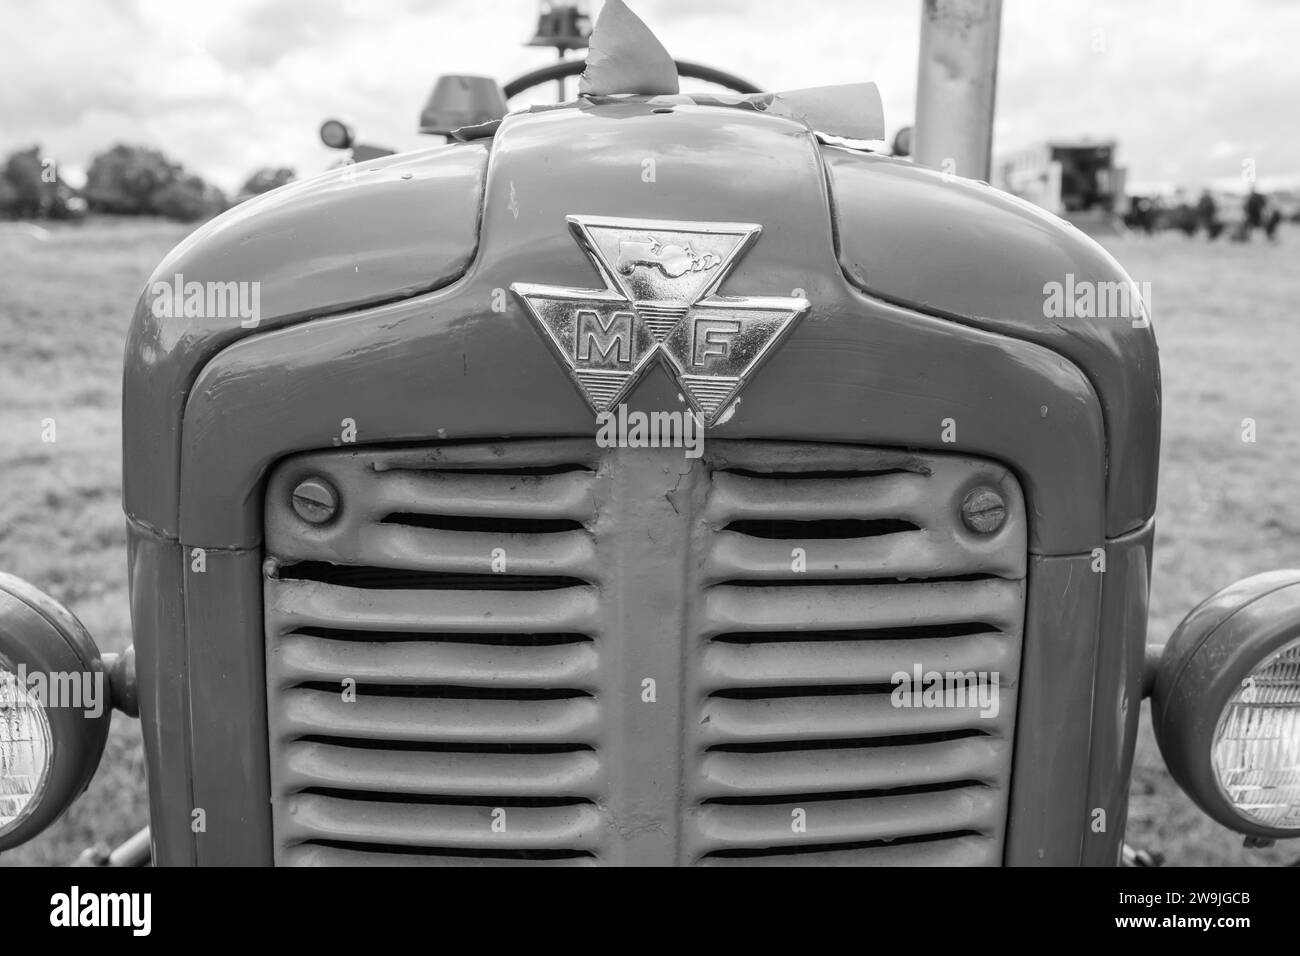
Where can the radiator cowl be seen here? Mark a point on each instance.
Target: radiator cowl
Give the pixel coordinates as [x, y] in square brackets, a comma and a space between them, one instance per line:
[543, 652]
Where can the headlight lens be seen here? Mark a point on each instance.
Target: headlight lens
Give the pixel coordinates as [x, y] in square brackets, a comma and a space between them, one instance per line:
[1256, 751]
[25, 749]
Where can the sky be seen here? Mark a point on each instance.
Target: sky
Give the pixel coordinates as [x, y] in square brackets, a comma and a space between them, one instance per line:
[1192, 90]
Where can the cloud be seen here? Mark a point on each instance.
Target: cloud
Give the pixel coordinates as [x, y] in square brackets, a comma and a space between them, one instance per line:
[225, 88]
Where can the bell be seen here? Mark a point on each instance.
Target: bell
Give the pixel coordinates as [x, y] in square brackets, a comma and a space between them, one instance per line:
[458, 101]
[564, 26]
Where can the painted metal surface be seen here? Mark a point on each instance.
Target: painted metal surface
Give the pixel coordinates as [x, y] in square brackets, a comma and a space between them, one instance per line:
[973, 254]
[1049, 783]
[655, 738]
[791, 710]
[445, 364]
[230, 788]
[381, 230]
[1117, 691]
[155, 574]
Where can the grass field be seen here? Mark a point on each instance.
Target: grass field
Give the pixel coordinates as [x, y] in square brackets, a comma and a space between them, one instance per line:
[1229, 333]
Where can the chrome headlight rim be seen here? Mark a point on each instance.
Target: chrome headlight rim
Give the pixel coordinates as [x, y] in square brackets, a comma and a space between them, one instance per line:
[40, 633]
[1213, 651]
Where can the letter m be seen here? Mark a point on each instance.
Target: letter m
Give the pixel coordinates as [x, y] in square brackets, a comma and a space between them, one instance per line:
[605, 337]
[223, 300]
[1113, 300]
[117, 909]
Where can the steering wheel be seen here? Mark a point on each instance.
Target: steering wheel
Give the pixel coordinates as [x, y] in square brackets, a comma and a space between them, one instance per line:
[567, 68]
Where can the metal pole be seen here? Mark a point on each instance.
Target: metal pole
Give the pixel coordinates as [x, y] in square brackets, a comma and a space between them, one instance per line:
[955, 86]
[136, 851]
[560, 82]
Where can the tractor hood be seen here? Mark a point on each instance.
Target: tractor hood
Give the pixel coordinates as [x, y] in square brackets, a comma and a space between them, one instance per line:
[402, 227]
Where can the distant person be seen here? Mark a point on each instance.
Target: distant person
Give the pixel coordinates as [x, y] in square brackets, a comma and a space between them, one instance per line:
[1141, 214]
[1207, 215]
[1255, 203]
[1271, 222]
[1184, 218]
[1261, 213]
[1253, 216]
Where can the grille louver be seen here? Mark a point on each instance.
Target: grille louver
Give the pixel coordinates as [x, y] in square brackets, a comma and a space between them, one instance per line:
[802, 756]
[479, 692]
[472, 735]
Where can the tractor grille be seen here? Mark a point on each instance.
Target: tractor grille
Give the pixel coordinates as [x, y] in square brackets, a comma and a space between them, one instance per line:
[424, 708]
[829, 570]
[541, 652]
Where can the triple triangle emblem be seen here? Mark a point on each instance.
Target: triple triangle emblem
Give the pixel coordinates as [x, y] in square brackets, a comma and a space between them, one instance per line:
[660, 303]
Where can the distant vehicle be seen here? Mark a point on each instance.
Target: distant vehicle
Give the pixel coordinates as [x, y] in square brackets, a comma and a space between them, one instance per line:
[1075, 179]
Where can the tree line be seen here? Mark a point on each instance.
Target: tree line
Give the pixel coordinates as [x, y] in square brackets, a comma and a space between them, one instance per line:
[125, 180]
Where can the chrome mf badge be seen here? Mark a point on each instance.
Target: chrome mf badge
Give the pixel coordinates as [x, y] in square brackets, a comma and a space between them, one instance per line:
[659, 304]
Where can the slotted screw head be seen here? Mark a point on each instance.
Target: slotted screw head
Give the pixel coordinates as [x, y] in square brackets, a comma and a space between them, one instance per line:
[315, 501]
[984, 511]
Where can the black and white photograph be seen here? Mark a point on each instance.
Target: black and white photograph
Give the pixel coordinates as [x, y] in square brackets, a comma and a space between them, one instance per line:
[650, 433]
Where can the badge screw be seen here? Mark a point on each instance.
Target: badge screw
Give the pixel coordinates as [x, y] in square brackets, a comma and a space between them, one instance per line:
[984, 511]
[315, 501]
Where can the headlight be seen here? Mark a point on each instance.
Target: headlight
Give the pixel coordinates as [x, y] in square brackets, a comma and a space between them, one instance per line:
[1226, 705]
[25, 748]
[55, 707]
[1257, 744]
